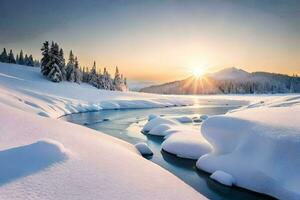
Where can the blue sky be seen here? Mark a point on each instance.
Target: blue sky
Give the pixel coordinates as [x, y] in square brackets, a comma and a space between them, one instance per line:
[166, 39]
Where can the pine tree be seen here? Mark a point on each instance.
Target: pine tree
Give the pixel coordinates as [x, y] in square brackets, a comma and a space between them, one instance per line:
[4, 56]
[93, 76]
[63, 66]
[51, 62]
[70, 69]
[11, 57]
[56, 64]
[26, 61]
[21, 60]
[46, 59]
[77, 72]
[30, 61]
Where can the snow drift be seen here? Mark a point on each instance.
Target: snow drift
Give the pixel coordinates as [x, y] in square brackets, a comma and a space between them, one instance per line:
[259, 147]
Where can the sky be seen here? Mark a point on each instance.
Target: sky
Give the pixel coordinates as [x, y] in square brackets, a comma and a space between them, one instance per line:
[160, 40]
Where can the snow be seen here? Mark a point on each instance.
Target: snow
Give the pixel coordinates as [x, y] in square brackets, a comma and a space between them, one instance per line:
[46, 158]
[223, 178]
[25, 88]
[186, 144]
[68, 161]
[143, 148]
[156, 122]
[159, 130]
[258, 146]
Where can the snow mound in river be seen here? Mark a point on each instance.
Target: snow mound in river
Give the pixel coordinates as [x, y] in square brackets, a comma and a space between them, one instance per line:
[156, 122]
[159, 130]
[143, 148]
[186, 144]
[260, 147]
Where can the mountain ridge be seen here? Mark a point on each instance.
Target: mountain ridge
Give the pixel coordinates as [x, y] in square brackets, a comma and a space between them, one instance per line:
[230, 81]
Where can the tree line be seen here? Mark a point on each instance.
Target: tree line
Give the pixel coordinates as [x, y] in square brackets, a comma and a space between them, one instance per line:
[55, 68]
[19, 59]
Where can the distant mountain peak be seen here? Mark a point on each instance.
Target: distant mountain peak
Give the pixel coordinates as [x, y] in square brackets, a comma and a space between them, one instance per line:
[230, 73]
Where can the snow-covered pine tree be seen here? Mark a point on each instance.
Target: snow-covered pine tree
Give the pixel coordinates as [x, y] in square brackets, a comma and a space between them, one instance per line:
[52, 62]
[93, 76]
[30, 61]
[118, 82]
[70, 69]
[63, 66]
[21, 60]
[108, 82]
[77, 72]
[26, 61]
[45, 61]
[11, 57]
[4, 56]
[56, 64]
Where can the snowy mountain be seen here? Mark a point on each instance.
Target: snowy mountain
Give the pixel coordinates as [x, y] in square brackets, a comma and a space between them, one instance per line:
[229, 74]
[230, 81]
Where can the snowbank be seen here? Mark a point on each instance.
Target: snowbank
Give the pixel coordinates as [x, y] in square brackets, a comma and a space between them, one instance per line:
[259, 147]
[186, 144]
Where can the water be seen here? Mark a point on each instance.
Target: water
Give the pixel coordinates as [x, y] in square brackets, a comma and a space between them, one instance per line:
[126, 125]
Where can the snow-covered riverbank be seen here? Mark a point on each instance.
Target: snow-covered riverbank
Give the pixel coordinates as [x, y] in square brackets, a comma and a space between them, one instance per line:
[44, 158]
[50, 159]
[255, 147]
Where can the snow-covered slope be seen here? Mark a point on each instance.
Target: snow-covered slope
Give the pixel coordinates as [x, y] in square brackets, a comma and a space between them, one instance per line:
[45, 158]
[25, 88]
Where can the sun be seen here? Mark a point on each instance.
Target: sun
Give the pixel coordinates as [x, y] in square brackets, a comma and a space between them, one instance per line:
[198, 72]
